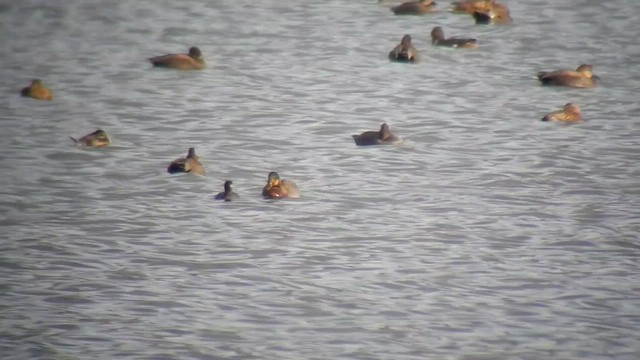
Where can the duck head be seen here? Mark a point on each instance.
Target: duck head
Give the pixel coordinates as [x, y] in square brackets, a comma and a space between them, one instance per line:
[572, 108]
[437, 34]
[194, 52]
[100, 137]
[273, 179]
[384, 132]
[228, 186]
[586, 70]
[406, 40]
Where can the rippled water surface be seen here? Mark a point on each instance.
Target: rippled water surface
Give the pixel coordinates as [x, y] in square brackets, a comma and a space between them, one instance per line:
[487, 235]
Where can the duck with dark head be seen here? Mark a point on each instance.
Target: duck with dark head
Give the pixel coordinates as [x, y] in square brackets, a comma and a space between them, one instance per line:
[405, 51]
[228, 194]
[189, 164]
[582, 77]
[384, 136]
[415, 7]
[98, 138]
[277, 188]
[37, 91]
[571, 113]
[438, 39]
[191, 61]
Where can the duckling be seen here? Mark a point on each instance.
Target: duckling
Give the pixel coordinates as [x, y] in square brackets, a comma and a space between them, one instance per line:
[570, 113]
[582, 77]
[191, 61]
[497, 14]
[37, 91]
[405, 51]
[189, 164]
[382, 137]
[228, 194]
[278, 189]
[415, 7]
[98, 138]
[437, 38]
[471, 6]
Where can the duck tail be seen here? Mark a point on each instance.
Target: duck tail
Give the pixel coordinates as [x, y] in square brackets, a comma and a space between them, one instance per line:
[73, 139]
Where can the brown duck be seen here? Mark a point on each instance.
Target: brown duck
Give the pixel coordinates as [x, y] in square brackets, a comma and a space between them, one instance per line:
[438, 39]
[37, 91]
[497, 14]
[191, 61]
[190, 164]
[582, 77]
[384, 136]
[277, 188]
[415, 7]
[405, 51]
[98, 138]
[471, 6]
[570, 113]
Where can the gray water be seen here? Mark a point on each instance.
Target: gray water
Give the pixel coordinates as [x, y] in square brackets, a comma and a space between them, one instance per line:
[487, 235]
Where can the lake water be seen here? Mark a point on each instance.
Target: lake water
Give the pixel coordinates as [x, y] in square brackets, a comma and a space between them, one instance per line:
[487, 235]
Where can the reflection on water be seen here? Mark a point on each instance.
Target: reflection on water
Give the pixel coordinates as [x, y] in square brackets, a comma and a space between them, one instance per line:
[487, 234]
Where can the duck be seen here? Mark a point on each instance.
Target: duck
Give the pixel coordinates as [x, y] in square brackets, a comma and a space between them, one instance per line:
[415, 7]
[98, 138]
[277, 188]
[189, 164]
[228, 194]
[437, 38]
[37, 91]
[582, 77]
[471, 6]
[191, 61]
[405, 51]
[570, 113]
[498, 14]
[384, 136]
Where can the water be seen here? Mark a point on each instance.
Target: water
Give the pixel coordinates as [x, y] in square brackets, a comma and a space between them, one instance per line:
[487, 235]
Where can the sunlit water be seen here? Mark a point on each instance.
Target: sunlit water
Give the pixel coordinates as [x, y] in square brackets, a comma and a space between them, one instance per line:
[487, 235]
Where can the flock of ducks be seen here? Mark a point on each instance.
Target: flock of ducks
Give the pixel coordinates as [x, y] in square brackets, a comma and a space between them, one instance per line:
[487, 12]
[482, 11]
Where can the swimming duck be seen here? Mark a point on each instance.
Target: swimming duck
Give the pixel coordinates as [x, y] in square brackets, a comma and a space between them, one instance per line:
[582, 77]
[37, 91]
[415, 7]
[471, 6]
[277, 188]
[228, 194]
[189, 164]
[498, 14]
[570, 113]
[98, 138]
[437, 38]
[404, 52]
[191, 61]
[384, 136]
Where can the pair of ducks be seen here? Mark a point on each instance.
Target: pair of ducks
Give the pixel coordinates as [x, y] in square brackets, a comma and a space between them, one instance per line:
[570, 113]
[581, 77]
[483, 11]
[406, 52]
[191, 61]
[275, 188]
